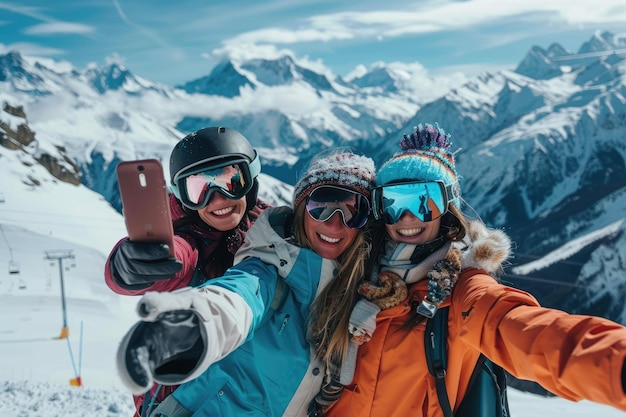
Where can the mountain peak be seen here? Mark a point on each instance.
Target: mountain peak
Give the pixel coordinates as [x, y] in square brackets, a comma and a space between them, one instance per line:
[603, 41]
[538, 63]
[379, 75]
[112, 76]
[224, 80]
[546, 64]
[233, 73]
[14, 68]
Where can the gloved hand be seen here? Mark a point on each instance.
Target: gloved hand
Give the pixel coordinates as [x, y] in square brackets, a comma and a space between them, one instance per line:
[143, 263]
[167, 345]
[171, 343]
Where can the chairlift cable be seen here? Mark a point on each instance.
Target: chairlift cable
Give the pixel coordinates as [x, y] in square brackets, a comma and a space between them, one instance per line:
[543, 280]
[7, 242]
[589, 54]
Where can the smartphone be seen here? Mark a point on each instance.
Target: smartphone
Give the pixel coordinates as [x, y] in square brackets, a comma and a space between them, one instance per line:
[145, 202]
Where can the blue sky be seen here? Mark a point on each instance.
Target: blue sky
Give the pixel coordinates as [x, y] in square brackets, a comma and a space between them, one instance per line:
[177, 41]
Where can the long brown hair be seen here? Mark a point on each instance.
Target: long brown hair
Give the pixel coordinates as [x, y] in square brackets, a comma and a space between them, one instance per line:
[330, 313]
[453, 224]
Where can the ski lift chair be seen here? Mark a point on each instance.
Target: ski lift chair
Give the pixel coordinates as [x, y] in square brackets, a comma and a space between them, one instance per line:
[14, 268]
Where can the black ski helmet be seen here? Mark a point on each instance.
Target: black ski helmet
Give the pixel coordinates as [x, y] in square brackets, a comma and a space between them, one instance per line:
[211, 146]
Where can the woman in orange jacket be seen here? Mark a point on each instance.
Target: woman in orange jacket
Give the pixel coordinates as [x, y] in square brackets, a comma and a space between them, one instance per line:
[445, 259]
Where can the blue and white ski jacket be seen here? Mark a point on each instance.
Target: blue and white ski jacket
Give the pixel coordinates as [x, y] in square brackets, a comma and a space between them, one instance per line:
[272, 371]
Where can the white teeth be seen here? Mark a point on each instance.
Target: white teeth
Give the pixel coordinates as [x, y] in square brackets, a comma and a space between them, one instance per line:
[223, 211]
[328, 238]
[410, 232]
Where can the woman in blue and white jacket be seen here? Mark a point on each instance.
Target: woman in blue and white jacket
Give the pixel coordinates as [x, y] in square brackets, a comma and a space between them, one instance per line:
[244, 349]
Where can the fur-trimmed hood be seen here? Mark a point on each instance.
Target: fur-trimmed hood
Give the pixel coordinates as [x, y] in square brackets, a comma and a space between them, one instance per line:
[484, 248]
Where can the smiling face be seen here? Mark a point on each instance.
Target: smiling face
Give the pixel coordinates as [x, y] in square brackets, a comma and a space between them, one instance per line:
[222, 213]
[409, 229]
[329, 238]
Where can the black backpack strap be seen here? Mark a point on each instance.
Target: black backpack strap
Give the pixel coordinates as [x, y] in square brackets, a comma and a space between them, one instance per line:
[486, 392]
[435, 340]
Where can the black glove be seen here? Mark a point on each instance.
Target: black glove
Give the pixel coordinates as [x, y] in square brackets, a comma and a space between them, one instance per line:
[136, 263]
[164, 350]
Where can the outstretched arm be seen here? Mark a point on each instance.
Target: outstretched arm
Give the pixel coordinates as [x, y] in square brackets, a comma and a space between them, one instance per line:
[182, 333]
[574, 356]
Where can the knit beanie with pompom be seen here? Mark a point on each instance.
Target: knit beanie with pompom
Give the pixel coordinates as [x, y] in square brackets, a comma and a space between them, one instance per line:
[425, 156]
[339, 167]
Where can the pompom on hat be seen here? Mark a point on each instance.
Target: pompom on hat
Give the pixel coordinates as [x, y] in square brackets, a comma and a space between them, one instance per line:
[339, 167]
[425, 156]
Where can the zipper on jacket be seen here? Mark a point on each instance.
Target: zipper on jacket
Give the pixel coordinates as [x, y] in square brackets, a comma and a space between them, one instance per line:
[284, 323]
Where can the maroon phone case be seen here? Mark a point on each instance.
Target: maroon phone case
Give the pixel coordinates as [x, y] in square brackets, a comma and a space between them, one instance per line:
[145, 201]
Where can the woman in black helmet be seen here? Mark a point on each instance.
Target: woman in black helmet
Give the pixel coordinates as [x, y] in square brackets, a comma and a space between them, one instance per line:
[213, 174]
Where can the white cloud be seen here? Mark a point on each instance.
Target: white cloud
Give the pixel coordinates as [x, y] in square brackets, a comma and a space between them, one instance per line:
[23, 10]
[59, 28]
[115, 58]
[436, 16]
[28, 48]
[468, 70]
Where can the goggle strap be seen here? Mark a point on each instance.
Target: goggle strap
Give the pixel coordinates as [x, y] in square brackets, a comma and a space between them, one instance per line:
[255, 166]
[174, 189]
[453, 191]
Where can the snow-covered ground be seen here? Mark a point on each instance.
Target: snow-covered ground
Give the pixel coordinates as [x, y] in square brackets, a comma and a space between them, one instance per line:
[36, 365]
[43, 399]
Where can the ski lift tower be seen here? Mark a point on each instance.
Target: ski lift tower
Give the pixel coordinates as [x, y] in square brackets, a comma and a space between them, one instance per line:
[59, 255]
[14, 267]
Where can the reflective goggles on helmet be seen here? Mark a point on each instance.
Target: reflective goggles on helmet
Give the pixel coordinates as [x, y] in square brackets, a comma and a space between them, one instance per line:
[426, 200]
[326, 200]
[233, 179]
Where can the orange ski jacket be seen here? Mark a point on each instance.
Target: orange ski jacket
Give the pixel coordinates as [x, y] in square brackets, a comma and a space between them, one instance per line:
[575, 357]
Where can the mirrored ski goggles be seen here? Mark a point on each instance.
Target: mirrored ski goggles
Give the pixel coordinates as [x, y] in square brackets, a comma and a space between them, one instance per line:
[233, 180]
[426, 200]
[326, 200]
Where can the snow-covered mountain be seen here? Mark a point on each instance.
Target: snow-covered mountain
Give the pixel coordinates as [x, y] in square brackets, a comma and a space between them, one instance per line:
[290, 108]
[542, 147]
[295, 108]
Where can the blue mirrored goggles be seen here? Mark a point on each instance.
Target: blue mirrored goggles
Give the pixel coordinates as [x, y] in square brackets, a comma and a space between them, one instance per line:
[326, 200]
[233, 179]
[426, 200]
